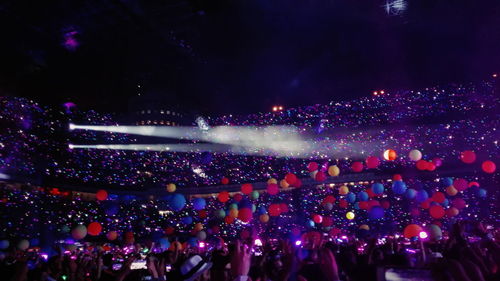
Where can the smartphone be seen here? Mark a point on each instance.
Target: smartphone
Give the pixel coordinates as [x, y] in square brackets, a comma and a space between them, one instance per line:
[138, 264]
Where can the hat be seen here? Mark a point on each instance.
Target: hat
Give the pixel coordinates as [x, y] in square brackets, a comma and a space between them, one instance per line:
[194, 267]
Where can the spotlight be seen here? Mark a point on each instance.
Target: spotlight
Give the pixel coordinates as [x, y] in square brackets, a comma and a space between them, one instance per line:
[423, 235]
[71, 146]
[71, 126]
[298, 243]
[201, 245]
[257, 242]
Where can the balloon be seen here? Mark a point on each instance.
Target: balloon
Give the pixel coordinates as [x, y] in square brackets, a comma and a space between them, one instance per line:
[245, 214]
[320, 176]
[223, 196]
[65, 229]
[376, 213]
[164, 243]
[390, 155]
[221, 213]
[435, 232]
[426, 204]
[312, 166]
[446, 182]
[430, 166]
[372, 162]
[283, 208]
[233, 213]
[4, 244]
[385, 204]
[481, 193]
[445, 203]
[254, 195]
[317, 218]
[436, 211]
[343, 190]
[357, 166]
[489, 167]
[177, 202]
[112, 235]
[290, 178]
[199, 204]
[363, 205]
[312, 175]
[412, 230]
[171, 187]
[23, 245]
[298, 183]
[421, 196]
[201, 236]
[350, 215]
[327, 222]
[437, 161]
[233, 206]
[328, 206]
[187, 220]
[362, 196]
[274, 210]
[329, 199]
[378, 188]
[333, 171]
[79, 232]
[422, 165]
[224, 181]
[364, 226]
[101, 195]
[272, 180]
[451, 190]
[398, 187]
[229, 220]
[458, 203]
[460, 184]
[438, 197]
[468, 156]
[198, 226]
[283, 184]
[94, 228]
[246, 188]
[397, 177]
[451, 212]
[202, 214]
[264, 218]
[415, 155]
[410, 193]
[237, 197]
[350, 197]
[272, 189]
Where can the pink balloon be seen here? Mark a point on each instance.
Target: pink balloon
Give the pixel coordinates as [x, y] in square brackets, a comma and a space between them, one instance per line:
[372, 162]
[460, 184]
[357, 166]
[458, 203]
[489, 167]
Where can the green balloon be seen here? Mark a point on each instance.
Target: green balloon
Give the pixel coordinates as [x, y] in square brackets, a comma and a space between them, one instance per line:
[435, 232]
[221, 213]
[254, 195]
[233, 206]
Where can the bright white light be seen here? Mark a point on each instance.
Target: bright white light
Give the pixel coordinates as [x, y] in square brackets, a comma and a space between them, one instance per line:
[4, 176]
[423, 235]
[202, 124]
[257, 242]
[71, 126]
[71, 146]
[298, 243]
[395, 7]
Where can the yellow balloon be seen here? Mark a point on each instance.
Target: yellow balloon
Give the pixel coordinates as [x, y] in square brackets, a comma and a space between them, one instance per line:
[364, 226]
[171, 187]
[284, 184]
[333, 171]
[233, 213]
[343, 190]
[198, 227]
[264, 218]
[349, 215]
[272, 180]
[451, 190]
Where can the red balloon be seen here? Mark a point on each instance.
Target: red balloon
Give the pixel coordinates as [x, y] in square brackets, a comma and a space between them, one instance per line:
[246, 188]
[412, 230]
[274, 210]
[430, 166]
[489, 167]
[329, 199]
[298, 183]
[272, 189]
[473, 183]
[385, 204]
[373, 203]
[422, 165]
[468, 156]
[397, 177]
[334, 232]
[357, 166]
[438, 197]
[223, 196]
[202, 214]
[101, 195]
[312, 166]
[245, 214]
[94, 228]
[436, 211]
[320, 176]
[283, 208]
[237, 197]
[327, 222]
[317, 218]
[229, 220]
[290, 178]
[224, 180]
[370, 192]
[343, 203]
[458, 203]
[426, 204]
[372, 162]
[460, 184]
[363, 205]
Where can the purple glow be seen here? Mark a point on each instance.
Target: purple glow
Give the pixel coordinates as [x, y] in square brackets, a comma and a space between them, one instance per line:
[343, 237]
[423, 235]
[70, 42]
[298, 243]
[201, 245]
[44, 256]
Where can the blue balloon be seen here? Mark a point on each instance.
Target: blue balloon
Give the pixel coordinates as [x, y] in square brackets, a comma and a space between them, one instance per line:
[310, 223]
[378, 188]
[356, 206]
[164, 243]
[110, 208]
[399, 187]
[376, 212]
[34, 242]
[446, 202]
[262, 210]
[199, 204]
[177, 202]
[244, 203]
[350, 197]
[481, 192]
[193, 242]
[422, 195]
[187, 220]
[410, 193]
[446, 182]
[362, 196]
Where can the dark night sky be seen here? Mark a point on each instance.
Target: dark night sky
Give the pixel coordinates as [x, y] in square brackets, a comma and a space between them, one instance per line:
[245, 55]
